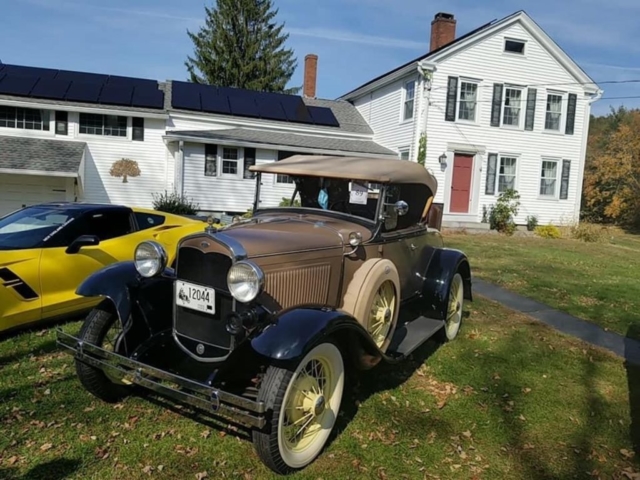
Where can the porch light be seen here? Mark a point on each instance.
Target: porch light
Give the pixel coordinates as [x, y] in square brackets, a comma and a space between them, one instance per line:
[442, 158]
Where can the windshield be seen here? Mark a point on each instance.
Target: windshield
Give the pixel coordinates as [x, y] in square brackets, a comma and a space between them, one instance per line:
[358, 198]
[31, 227]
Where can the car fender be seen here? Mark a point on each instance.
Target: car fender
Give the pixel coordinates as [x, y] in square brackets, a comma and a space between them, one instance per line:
[121, 283]
[444, 264]
[295, 331]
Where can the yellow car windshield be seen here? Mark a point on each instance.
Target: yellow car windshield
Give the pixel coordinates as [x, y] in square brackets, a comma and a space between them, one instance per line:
[32, 226]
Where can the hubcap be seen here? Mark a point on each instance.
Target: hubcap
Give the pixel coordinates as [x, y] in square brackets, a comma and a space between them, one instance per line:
[382, 311]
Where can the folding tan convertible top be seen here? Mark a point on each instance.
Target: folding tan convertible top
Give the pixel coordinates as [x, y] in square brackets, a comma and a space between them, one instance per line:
[372, 169]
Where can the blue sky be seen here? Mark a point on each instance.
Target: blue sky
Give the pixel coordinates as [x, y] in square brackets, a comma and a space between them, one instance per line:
[355, 40]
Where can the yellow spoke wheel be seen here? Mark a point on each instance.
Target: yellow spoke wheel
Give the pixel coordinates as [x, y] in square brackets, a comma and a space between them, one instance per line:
[382, 313]
[305, 404]
[454, 307]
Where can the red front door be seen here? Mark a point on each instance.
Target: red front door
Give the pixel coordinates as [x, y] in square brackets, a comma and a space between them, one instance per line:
[461, 183]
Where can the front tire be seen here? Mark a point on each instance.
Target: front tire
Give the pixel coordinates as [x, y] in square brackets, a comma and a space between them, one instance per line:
[100, 328]
[454, 308]
[304, 403]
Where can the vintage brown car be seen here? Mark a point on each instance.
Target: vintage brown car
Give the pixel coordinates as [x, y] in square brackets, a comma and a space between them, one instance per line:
[257, 322]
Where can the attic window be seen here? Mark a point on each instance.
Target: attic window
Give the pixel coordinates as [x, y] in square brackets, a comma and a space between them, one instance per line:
[514, 46]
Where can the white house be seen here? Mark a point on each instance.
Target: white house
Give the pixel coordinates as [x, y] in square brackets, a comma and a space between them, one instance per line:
[62, 132]
[500, 107]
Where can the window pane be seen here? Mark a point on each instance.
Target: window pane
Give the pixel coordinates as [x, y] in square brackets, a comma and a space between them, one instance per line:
[410, 88]
[507, 174]
[283, 179]
[7, 117]
[230, 153]
[514, 46]
[553, 113]
[512, 106]
[468, 98]
[548, 178]
[230, 167]
[210, 167]
[408, 109]
[408, 100]
[404, 155]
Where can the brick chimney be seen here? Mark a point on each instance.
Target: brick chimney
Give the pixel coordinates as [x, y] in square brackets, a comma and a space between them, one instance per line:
[443, 30]
[310, 75]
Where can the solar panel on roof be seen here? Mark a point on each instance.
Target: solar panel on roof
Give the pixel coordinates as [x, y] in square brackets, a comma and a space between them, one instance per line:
[129, 81]
[323, 116]
[116, 94]
[30, 71]
[50, 88]
[17, 85]
[244, 106]
[186, 96]
[147, 97]
[82, 77]
[84, 92]
[270, 108]
[213, 102]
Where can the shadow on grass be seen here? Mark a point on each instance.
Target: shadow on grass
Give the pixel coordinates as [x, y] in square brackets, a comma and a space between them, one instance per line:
[633, 380]
[58, 469]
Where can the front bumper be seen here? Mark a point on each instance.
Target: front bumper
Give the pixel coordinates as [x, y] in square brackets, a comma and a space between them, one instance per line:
[235, 408]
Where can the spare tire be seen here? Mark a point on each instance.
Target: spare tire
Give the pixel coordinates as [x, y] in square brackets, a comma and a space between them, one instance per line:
[373, 298]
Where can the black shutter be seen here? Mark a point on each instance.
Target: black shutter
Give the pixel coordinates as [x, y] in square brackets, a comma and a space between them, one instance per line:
[62, 123]
[492, 163]
[452, 99]
[571, 113]
[210, 160]
[564, 182]
[138, 129]
[529, 119]
[496, 104]
[249, 160]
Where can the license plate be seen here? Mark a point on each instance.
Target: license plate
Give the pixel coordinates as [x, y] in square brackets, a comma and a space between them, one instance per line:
[196, 297]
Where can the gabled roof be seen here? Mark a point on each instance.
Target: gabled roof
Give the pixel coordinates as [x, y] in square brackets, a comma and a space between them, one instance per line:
[461, 42]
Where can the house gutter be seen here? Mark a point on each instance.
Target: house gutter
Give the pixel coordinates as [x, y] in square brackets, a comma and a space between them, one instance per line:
[583, 150]
[425, 72]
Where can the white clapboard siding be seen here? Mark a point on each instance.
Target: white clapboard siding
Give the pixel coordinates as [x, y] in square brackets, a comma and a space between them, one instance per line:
[226, 194]
[486, 61]
[382, 109]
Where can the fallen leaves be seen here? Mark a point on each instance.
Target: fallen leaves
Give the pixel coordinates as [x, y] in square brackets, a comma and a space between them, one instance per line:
[46, 446]
[202, 476]
[627, 454]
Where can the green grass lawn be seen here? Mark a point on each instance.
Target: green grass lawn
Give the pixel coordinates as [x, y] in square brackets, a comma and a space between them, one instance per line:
[509, 399]
[599, 282]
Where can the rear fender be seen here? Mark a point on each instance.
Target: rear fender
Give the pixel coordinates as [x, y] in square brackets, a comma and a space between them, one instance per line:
[444, 264]
[295, 332]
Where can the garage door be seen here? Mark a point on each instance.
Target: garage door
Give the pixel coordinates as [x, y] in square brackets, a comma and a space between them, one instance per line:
[17, 191]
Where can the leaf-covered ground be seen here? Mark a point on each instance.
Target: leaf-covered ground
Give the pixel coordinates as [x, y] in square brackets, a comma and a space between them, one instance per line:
[509, 399]
[599, 282]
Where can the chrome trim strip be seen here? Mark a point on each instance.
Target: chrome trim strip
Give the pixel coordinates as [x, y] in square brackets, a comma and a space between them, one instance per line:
[236, 248]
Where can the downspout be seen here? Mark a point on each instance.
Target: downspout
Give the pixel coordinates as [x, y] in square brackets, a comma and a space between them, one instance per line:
[181, 169]
[583, 150]
[425, 70]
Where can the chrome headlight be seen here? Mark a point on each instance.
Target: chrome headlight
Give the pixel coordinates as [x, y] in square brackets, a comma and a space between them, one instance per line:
[245, 281]
[150, 258]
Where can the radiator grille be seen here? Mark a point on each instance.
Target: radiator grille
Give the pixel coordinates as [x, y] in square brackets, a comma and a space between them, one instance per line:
[308, 285]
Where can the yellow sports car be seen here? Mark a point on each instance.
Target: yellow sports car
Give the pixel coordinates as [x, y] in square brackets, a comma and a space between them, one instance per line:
[47, 250]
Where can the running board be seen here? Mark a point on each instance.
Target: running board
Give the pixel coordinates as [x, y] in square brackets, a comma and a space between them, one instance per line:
[412, 334]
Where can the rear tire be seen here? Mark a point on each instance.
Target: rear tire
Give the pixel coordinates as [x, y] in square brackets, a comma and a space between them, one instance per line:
[94, 331]
[304, 403]
[455, 304]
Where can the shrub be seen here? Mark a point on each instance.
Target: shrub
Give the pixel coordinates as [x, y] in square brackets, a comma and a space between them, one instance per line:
[532, 222]
[248, 213]
[501, 214]
[174, 203]
[286, 202]
[548, 231]
[588, 232]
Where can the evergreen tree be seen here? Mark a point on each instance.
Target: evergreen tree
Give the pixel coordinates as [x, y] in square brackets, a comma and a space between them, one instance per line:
[242, 46]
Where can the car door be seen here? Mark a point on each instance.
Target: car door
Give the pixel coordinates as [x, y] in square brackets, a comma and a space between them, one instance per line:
[61, 272]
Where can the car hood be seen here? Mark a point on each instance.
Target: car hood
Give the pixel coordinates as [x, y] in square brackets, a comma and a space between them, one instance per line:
[267, 235]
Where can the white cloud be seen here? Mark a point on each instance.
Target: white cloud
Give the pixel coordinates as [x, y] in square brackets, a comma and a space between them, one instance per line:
[352, 37]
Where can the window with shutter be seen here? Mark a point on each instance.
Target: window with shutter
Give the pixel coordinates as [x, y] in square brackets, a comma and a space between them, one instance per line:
[490, 186]
[496, 104]
[249, 160]
[210, 160]
[571, 113]
[452, 99]
[530, 116]
[564, 181]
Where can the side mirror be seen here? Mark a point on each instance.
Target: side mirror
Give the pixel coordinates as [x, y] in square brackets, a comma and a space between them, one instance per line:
[82, 241]
[401, 207]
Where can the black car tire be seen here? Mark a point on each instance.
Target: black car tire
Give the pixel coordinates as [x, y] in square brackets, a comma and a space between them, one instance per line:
[281, 386]
[94, 380]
